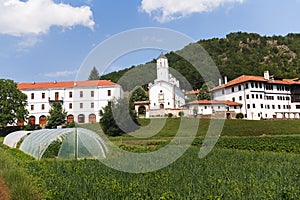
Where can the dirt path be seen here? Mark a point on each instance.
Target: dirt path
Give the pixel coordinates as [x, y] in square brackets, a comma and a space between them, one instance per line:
[4, 195]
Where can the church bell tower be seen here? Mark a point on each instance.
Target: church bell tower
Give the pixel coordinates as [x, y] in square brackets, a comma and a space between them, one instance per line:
[162, 68]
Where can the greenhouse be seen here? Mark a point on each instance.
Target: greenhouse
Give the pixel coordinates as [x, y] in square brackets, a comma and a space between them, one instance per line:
[14, 138]
[76, 143]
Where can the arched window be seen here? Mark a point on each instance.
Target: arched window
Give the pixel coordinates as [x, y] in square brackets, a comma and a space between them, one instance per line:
[92, 118]
[81, 118]
[42, 120]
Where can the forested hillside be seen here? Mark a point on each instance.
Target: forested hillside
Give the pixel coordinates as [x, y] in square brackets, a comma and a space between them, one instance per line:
[237, 54]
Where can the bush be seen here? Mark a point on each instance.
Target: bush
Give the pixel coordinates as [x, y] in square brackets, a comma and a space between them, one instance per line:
[181, 114]
[240, 116]
[170, 115]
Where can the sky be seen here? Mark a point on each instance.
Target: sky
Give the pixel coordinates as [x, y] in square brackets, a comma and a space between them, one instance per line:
[47, 40]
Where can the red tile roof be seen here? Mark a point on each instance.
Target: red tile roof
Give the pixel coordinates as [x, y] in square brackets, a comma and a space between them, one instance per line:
[211, 102]
[195, 92]
[245, 78]
[69, 84]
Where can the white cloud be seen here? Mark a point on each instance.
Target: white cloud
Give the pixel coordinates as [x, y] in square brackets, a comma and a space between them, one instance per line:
[167, 10]
[61, 74]
[19, 18]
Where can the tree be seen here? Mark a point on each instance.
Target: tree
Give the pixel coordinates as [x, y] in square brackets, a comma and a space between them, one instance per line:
[94, 74]
[12, 103]
[204, 93]
[138, 94]
[117, 118]
[57, 116]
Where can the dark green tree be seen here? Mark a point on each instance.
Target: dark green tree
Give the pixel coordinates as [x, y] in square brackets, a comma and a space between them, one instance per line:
[12, 103]
[204, 93]
[118, 118]
[139, 94]
[94, 74]
[57, 116]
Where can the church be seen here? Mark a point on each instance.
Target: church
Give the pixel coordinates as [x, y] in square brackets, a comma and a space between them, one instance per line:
[165, 95]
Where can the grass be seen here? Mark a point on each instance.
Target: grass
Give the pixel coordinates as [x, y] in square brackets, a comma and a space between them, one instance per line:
[13, 172]
[223, 174]
[252, 160]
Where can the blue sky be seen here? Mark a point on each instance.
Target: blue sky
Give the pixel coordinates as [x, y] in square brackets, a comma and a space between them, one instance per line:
[46, 40]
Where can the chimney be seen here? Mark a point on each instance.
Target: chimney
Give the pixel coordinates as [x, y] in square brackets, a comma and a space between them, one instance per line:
[220, 82]
[266, 75]
[225, 79]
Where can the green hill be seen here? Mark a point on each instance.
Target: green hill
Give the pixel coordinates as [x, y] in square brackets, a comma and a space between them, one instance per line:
[237, 54]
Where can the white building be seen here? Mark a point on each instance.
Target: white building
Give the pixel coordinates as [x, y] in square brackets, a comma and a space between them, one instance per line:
[264, 97]
[214, 108]
[81, 99]
[165, 92]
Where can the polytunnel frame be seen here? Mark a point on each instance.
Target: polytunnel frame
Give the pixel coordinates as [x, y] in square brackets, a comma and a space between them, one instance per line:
[38, 141]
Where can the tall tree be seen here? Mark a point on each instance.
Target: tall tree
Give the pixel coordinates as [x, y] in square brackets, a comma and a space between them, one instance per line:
[118, 118]
[12, 103]
[94, 74]
[57, 116]
[204, 93]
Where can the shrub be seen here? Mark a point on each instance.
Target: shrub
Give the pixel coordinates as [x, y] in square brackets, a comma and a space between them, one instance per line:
[240, 116]
[181, 114]
[170, 115]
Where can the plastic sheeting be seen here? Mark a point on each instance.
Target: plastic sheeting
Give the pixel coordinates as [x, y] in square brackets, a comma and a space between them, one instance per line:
[76, 143]
[13, 138]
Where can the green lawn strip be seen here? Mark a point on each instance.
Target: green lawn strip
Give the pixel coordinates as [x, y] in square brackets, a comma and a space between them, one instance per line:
[14, 173]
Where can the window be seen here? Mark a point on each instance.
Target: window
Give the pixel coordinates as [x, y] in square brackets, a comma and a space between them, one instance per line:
[205, 107]
[70, 94]
[247, 96]
[260, 96]
[43, 95]
[288, 106]
[81, 105]
[253, 105]
[273, 107]
[252, 96]
[246, 86]
[260, 85]
[109, 93]
[256, 96]
[32, 107]
[248, 106]
[43, 106]
[269, 87]
[240, 88]
[232, 89]
[56, 96]
[256, 85]
[32, 95]
[92, 93]
[252, 85]
[283, 106]
[286, 88]
[234, 107]
[70, 105]
[287, 98]
[279, 107]
[240, 98]
[233, 99]
[92, 105]
[297, 106]
[81, 94]
[262, 106]
[223, 91]
[168, 103]
[219, 107]
[268, 106]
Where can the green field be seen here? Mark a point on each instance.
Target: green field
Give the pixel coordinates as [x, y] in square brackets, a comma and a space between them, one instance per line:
[252, 160]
